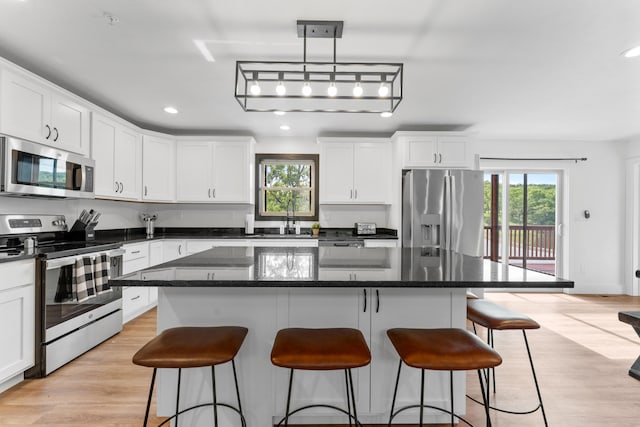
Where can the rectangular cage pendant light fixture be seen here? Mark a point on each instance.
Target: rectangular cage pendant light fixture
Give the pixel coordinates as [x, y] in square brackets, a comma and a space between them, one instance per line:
[330, 87]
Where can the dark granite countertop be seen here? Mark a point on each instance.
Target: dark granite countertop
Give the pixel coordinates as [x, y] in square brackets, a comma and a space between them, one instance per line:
[10, 256]
[133, 235]
[342, 267]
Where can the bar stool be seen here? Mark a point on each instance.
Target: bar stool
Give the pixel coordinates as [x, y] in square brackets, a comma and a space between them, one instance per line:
[448, 349]
[496, 317]
[321, 350]
[193, 347]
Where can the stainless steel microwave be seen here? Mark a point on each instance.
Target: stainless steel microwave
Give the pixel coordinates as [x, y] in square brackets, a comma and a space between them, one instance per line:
[30, 169]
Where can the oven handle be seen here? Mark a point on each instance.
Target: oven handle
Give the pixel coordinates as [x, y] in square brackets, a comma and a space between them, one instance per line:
[61, 262]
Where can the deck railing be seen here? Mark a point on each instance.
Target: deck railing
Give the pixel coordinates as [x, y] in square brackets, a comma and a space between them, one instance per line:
[541, 241]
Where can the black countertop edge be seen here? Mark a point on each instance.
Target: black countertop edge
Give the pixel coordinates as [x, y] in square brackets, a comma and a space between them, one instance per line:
[17, 258]
[236, 284]
[129, 235]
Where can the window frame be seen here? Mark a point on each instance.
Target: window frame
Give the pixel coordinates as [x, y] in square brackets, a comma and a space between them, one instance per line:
[315, 185]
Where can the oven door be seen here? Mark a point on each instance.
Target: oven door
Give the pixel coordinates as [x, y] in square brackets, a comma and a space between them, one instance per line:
[59, 304]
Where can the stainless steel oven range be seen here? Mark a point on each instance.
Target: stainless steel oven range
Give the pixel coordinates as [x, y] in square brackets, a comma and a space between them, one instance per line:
[68, 323]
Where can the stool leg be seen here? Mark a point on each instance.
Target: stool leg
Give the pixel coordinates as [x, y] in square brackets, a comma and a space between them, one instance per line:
[485, 398]
[346, 383]
[395, 392]
[235, 378]
[421, 396]
[286, 414]
[215, 396]
[493, 370]
[146, 414]
[451, 391]
[535, 379]
[178, 395]
[353, 399]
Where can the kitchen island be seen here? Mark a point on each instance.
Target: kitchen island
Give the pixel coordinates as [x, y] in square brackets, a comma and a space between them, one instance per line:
[372, 289]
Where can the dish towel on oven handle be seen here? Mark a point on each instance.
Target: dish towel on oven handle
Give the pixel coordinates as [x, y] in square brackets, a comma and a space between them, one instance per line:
[101, 273]
[83, 286]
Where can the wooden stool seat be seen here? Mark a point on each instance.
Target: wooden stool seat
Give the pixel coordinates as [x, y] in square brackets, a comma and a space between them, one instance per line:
[493, 316]
[191, 347]
[443, 349]
[320, 349]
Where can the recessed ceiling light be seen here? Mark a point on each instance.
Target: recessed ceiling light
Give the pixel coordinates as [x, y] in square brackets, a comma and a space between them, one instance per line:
[204, 50]
[386, 114]
[171, 110]
[631, 53]
[279, 113]
[285, 127]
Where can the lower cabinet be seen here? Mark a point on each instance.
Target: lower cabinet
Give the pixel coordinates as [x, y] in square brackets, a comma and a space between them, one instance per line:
[173, 249]
[17, 318]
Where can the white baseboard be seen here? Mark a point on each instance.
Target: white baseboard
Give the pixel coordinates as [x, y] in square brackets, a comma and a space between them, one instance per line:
[6, 385]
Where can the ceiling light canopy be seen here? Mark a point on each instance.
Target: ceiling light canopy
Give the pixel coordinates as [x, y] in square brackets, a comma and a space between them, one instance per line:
[309, 86]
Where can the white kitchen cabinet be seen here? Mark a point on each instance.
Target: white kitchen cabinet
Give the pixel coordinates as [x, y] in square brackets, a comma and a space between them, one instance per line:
[117, 151]
[33, 110]
[158, 169]
[355, 173]
[222, 273]
[155, 252]
[214, 171]
[198, 245]
[173, 249]
[300, 242]
[17, 318]
[412, 308]
[434, 150]
[136, 257]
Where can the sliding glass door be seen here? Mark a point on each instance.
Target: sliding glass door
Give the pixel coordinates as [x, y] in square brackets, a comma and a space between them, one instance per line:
[521, 211]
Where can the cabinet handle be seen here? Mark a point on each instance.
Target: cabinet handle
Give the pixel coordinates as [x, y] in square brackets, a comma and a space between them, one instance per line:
[145, 190]
[377, 300]
[49, 129]
[121, 187]
[135, 252]
[355, 193]
[440, 158]
[351, 194]
[115, 186]
[435, 157]
[135, 298]
[209, 192]
[214, 193]
[57, 135]
[179, 249]
[365, 300]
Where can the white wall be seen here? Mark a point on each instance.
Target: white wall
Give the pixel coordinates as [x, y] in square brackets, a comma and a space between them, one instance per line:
[594, 249]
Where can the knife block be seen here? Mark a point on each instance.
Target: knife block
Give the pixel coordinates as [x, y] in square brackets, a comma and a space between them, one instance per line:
[83, 232]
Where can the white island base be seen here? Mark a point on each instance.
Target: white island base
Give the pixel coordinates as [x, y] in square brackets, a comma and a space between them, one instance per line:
[263, 387]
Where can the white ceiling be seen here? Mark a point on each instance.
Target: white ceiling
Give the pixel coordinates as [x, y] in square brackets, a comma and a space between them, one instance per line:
[506, 68]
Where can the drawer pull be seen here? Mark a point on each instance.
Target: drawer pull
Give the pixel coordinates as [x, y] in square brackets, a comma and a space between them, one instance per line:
[135, 298]
[135, 252]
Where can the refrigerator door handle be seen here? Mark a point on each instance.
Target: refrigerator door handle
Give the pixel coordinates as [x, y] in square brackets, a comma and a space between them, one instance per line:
[448, 194]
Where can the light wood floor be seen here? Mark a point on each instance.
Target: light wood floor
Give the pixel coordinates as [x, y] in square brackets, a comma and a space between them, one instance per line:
[582, 354]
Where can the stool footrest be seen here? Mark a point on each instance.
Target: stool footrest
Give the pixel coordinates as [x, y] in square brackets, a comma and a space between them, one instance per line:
[319, 405]
[202, 405]
[506, 411]
[430, 407]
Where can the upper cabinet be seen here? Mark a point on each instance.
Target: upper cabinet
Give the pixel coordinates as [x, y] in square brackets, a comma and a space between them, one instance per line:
[158, 169]
[424, 150]
[215, 171]
[117, 151]
[39, 112]
[354, 172]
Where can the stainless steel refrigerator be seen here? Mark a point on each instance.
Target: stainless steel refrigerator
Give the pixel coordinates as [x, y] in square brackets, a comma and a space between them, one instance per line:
[443, 210]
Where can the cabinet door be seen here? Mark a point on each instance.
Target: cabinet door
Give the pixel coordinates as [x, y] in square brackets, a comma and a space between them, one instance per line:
[70, 122]
[320, 308]
[25, 108]
[103, 143]
[173, 249]
[158, 169]
[452, 151]
[336, 173]
[231, 172]
[412, 308]
[155, 253]
[194, 172]
[372, 164]
[127, 165]
[421, 152]
[17, 318]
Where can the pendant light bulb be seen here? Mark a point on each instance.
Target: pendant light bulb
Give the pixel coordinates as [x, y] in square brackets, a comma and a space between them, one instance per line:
[255, 88]
[383, 90]
[332, 90]
[306, 89]
[281, 90]
[386, 114]
[357, 90]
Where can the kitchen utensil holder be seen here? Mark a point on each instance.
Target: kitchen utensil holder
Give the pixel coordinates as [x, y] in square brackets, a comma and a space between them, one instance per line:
[83, 232]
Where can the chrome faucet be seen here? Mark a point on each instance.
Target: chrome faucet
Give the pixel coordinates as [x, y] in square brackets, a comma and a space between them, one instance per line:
[291, 205]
